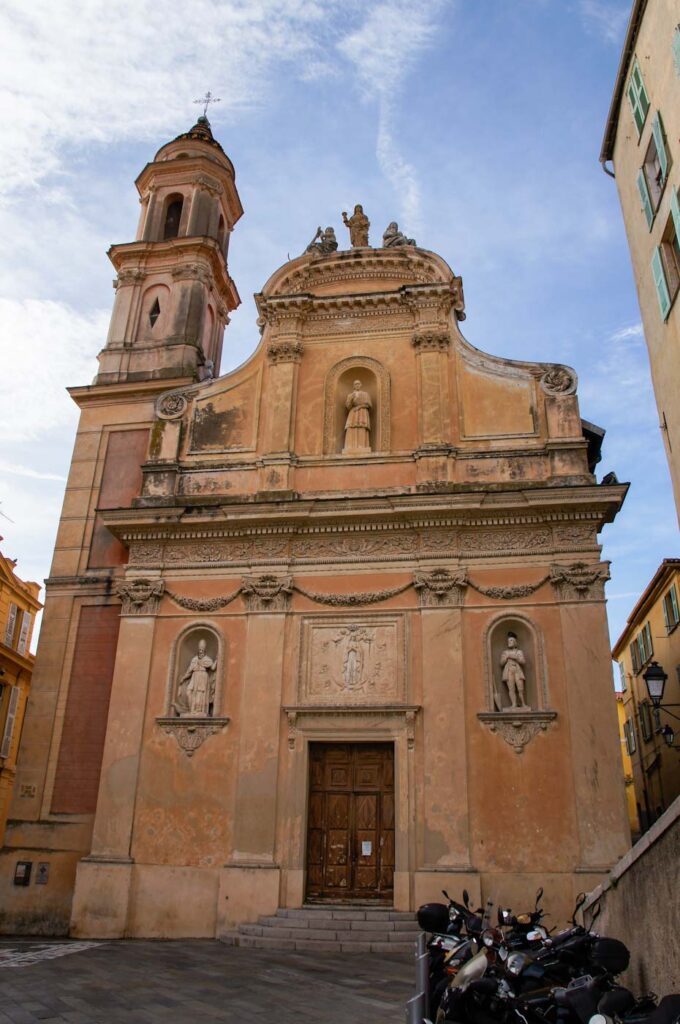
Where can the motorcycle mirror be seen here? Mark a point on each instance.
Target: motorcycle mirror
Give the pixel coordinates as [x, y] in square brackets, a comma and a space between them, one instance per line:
[466, 899]
[445, 893]
[539, 894]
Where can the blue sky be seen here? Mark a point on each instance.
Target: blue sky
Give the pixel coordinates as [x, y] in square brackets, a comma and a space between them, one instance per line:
[475, 123]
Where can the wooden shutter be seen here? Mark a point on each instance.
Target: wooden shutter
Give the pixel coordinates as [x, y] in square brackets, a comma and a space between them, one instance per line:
[23, 635]
[646, 198]
[660, 283]
[637, 97]
[673, 595]
[11, 622]
[675, 211]
[660, 142]
[9, 722]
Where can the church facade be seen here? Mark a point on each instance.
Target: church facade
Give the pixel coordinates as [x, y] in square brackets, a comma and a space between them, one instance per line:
[330, 627]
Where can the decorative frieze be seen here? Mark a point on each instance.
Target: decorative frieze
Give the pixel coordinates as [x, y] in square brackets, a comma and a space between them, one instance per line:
[502, 540]
[192, 272]
[208, 604]
[382, 720]
[140, 596]
[351, 599]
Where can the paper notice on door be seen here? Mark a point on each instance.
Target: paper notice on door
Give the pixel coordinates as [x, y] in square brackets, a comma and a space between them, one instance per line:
[366, 849]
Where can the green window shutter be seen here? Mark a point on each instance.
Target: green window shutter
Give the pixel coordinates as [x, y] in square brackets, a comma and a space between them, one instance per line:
[675, 211]
[676, 50]
[660, 284]
[646, 199]
[648, 638]
[666, 612]
[673, 595]
[660, 140]
[9, 722]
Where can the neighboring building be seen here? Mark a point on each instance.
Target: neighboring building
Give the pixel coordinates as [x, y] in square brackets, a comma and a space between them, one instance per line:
[642, 140]
[652, 634]
[631, 801]
[19, 605]
[330, 627]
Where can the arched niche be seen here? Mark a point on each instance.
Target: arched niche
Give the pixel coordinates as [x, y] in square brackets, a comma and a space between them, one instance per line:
[172, 216]
[184, 672]
[339, 383]
[529, 641]
[154, 313]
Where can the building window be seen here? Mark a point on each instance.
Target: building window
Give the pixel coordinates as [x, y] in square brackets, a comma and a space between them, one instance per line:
[622, 676]
[173, 215]
[6, 744]
[642, 649]
[671, 613]
[653, 175]
[629, 735]
[645, 722]
[661, 283]
[11, 625]
[154, 312]
[637, 97]
[23, 633]
[635, 656]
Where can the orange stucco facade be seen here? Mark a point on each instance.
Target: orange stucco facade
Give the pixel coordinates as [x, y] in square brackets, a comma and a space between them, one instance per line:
[234, 582]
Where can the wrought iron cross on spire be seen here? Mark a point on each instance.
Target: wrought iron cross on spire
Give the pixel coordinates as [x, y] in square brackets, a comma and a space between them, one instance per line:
[207, 100]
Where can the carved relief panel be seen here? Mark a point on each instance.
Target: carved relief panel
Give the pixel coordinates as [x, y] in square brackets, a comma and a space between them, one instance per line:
[358, 659]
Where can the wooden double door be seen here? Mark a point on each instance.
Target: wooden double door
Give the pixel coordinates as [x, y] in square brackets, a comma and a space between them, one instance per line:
[350, 838]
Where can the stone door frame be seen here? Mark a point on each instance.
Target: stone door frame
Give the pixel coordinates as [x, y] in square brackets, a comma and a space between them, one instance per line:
[391, 724]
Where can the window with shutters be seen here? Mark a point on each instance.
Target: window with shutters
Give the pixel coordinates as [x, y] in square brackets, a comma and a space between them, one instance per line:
[23, 633]
[635, 656]
[10, 625]
[645, 722]
[669, 258]
[656, 164]
[637, 97]
[671, 613]
[629, 735]
[663, 294]
[647, 645]
[622, 676]
[8, 731]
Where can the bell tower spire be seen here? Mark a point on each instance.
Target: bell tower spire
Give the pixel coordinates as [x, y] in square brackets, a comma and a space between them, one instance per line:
[173, 288]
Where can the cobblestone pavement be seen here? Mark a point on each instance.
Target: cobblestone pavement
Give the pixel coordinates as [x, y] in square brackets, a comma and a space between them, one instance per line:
[196, 981]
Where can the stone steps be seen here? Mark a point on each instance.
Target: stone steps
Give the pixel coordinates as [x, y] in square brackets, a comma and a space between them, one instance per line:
[330, 929]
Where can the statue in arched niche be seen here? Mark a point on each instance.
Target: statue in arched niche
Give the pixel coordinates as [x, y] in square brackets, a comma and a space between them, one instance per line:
[358, 422]
[196, 690]
[512, 665]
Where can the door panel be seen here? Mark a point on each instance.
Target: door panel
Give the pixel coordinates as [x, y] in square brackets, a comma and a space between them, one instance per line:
[350, 843]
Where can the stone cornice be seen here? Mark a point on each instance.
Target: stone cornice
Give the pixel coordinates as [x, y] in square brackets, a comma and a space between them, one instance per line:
[143, 390]
[272, 309]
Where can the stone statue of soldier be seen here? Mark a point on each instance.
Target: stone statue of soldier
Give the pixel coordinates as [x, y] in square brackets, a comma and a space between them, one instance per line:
[512, 663]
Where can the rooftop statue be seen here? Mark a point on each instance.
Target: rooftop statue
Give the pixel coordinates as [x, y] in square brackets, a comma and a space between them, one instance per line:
[358, 225]
[324, 242]
[393, 236]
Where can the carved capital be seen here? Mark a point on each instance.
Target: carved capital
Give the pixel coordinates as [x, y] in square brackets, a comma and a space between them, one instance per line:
[285, 351]
[205, 184]
[579, 582]
[440, 587]
[278, 310]
[517, 727]
[127, 277]
[436, 340]
[559, 380]
[190, 734]
[140, 596]
[192, 272]
[267, 593]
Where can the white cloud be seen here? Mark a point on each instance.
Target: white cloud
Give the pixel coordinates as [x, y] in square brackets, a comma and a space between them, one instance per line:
[383, 50]
[44, 347]
[35, 474]
[608, 18]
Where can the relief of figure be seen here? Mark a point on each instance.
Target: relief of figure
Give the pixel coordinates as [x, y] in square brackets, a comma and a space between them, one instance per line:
[393, 236]
[512, 662]
[196, 688]
[353, 664]
[324, 242]
[358, 422]
[358, 225]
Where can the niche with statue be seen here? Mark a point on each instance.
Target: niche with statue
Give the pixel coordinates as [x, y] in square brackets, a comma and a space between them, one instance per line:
[516, 682]
[194, 696]
[357, 408]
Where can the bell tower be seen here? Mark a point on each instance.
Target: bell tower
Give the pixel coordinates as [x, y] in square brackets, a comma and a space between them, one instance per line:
[173, 288]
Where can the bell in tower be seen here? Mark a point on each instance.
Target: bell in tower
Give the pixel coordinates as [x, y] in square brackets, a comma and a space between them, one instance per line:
[173, 289]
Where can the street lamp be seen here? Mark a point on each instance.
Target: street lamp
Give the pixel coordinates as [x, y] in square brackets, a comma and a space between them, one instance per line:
[668, 735]
[655, 678]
